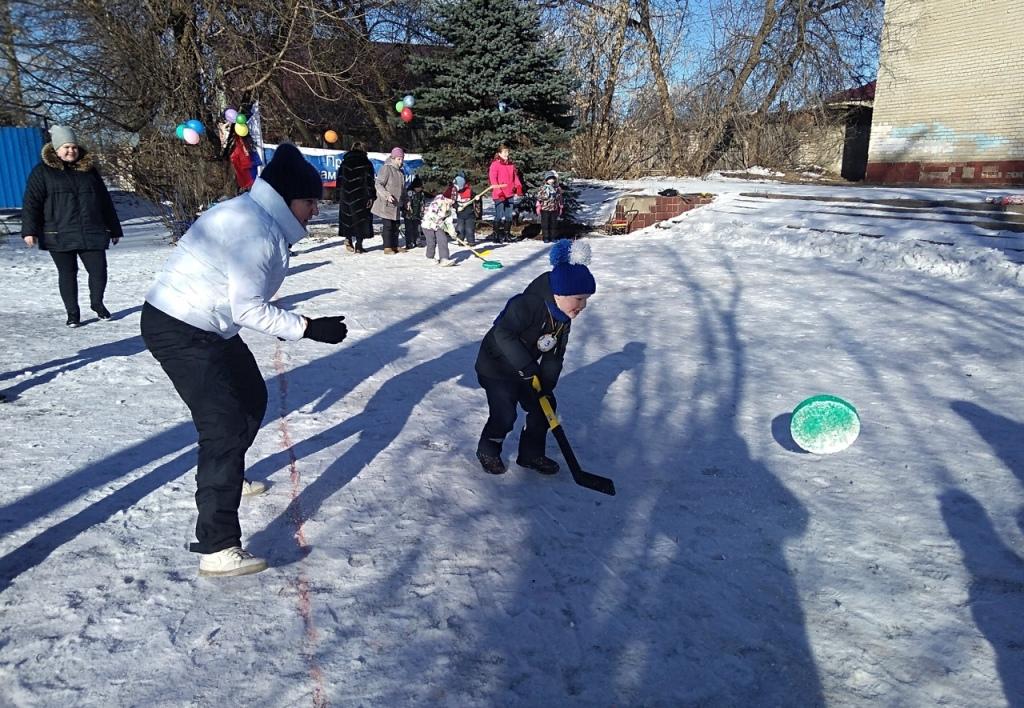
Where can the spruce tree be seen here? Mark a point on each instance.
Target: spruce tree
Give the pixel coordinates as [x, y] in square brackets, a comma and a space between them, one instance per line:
[497, 82]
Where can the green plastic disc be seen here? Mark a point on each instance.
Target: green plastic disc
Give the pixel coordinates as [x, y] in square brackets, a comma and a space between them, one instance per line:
[492, 265]
[824, 424]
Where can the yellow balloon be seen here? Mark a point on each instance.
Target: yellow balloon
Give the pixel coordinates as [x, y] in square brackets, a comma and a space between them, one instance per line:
[241, 130]
[330, 136]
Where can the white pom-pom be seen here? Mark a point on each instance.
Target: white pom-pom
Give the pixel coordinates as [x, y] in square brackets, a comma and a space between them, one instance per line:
[579, 253]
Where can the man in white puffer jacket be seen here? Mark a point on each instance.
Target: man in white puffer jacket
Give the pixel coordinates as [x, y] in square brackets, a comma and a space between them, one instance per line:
[220, 278]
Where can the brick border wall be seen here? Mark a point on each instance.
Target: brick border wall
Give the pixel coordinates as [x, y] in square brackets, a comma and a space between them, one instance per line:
[662, 209]
[996, 173]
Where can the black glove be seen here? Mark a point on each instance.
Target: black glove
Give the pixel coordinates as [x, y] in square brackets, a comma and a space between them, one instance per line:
[529, 371]
[326, 329]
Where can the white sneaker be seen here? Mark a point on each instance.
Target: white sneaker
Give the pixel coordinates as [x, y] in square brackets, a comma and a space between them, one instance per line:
[252, 487]
[231, 561]
[445, 262]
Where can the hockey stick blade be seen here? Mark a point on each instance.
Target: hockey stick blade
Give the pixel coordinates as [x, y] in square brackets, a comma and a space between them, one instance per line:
[579, 475]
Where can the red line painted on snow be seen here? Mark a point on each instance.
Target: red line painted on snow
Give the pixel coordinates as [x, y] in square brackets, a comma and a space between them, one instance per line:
[298, 519]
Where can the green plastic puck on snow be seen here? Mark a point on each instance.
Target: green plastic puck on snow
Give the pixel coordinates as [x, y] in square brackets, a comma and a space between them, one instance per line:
[824, 424]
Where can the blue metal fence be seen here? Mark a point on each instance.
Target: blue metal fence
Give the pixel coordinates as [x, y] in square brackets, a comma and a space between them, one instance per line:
[19, 153]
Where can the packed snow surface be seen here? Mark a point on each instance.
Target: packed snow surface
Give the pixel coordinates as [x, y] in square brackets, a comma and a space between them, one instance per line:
[732, 569]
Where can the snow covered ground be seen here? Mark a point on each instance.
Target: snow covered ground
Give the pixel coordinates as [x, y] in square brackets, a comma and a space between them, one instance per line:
[731, 569]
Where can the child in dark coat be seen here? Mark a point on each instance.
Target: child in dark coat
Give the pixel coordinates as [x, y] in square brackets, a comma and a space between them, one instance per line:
[461, 193]
[549, 206]
[414, 212]
[528, 339]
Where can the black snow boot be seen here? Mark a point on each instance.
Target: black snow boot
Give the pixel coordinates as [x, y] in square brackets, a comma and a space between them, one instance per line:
[542, 464]
[492, 464]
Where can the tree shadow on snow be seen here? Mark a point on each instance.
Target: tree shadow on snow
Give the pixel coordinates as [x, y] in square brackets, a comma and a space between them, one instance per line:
[44, 373]
[996, 591]
[65, 491]
[305, 267]
[375, 427]
[677, 591]
[321, 247]
[1004, 436]
[288, 302]
[323, 381]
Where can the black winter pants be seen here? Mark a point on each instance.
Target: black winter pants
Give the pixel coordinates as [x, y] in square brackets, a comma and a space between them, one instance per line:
[389, 232]
[465, 225]
[549, 225]
[220, 383]
[412, 232]
[502, 397]
[95, 263]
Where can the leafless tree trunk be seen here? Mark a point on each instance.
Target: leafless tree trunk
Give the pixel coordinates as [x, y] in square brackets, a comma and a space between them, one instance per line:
[668, 111]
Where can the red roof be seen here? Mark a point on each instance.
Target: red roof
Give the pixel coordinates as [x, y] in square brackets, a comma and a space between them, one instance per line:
[861, 93]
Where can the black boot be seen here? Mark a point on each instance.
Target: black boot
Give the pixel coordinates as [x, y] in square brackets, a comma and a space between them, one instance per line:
[542, 464]
[101, 312]
[492, 464]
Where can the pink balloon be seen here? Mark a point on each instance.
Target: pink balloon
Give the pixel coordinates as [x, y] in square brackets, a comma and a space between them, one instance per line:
[190, 136]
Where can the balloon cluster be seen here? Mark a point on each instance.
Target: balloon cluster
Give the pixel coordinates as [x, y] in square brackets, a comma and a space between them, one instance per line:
[404, 108]
[190, 131]
[240, 121]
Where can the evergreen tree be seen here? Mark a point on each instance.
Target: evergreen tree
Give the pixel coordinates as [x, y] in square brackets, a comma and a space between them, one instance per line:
[498, 83]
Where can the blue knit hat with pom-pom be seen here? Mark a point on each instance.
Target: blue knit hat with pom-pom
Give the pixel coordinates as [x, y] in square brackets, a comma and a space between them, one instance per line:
[570, 275]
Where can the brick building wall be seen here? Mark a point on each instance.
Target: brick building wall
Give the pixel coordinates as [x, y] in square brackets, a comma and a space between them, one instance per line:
[949, 103]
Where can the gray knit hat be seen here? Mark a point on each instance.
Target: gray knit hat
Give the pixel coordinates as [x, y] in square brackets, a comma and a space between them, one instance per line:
[62, 135]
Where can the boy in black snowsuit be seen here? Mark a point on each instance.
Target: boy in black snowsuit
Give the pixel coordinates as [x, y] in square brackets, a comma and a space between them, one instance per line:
[414, 212]
[528, 339]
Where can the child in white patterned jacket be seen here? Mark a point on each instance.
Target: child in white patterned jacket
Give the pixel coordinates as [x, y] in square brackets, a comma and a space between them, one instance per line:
[438, 225]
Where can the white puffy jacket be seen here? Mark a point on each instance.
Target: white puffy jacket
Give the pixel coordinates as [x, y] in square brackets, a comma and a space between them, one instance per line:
[229, 264]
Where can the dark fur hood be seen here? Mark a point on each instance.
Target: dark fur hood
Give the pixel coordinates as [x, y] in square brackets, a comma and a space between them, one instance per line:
[84, 164]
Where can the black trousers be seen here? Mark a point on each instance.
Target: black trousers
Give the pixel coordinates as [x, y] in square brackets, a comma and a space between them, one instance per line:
[465, 225]
[389, 232]
[549, 225]
[95, 263]
[220, 383]
[503, 395]
[412, 232]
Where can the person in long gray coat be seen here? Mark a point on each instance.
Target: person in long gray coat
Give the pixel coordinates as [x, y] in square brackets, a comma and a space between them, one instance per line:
[390, 186]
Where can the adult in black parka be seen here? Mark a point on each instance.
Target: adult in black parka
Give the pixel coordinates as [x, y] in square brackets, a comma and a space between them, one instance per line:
[355, 197]
[68, 212]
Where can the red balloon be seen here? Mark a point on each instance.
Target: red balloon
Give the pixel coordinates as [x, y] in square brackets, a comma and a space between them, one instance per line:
[407, 115]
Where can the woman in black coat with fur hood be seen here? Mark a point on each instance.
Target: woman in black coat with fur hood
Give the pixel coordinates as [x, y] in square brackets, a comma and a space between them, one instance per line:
[68, 212]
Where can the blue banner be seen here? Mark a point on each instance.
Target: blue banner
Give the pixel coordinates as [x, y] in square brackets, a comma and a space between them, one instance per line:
[327, 162]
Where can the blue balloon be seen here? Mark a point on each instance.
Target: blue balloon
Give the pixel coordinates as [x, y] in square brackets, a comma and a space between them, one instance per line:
[196, 126]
